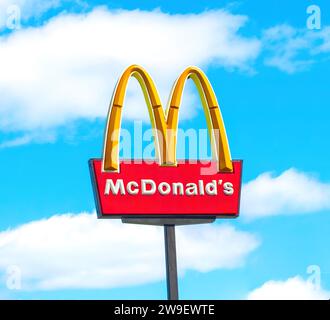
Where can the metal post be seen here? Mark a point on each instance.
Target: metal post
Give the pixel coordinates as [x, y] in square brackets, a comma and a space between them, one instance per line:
[171, 265]
[170, 249]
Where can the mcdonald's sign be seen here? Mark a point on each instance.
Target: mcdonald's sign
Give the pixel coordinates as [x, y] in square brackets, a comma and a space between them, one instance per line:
[169, 187]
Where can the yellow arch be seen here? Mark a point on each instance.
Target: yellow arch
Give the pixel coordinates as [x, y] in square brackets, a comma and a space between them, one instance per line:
[155, 109]
[216, 127]
[165, 126]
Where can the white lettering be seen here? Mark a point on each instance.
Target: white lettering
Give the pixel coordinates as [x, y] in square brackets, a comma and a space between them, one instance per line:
[178, 188]
[228, 189]
[109, 186]
[191, 189]
[211, 188]
[313, 21]
[164, 188]
[152, 185]
[130, 186]
[201, 187]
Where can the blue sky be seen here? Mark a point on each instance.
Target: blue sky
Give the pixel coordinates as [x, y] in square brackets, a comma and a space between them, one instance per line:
[270, 74]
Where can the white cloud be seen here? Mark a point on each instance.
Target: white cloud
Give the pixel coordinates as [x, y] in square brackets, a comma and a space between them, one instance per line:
[67, 69]
[292, 192]
[291, 50]
[292, 289]
[15, 142]
[80, 251]
[36, 137]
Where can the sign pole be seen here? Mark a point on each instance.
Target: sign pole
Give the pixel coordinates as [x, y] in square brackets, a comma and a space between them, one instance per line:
[171, 263]
[170, 246]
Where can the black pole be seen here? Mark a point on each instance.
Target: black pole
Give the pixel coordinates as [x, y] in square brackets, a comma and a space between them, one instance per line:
[171, 265]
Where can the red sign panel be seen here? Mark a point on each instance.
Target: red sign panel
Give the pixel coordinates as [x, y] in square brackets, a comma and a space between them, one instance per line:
[150, 190]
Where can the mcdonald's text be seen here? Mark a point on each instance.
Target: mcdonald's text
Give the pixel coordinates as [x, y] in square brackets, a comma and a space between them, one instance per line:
[147, 189]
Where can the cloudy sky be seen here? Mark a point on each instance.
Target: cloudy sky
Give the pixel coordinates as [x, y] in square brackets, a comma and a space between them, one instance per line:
[268, 63]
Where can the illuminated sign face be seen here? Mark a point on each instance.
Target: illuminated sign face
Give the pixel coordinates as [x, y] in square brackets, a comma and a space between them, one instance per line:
[168, 188]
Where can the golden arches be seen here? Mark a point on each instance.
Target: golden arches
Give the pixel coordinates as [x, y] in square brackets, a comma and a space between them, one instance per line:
[217, 131]
[166, 126]
[156, 113]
